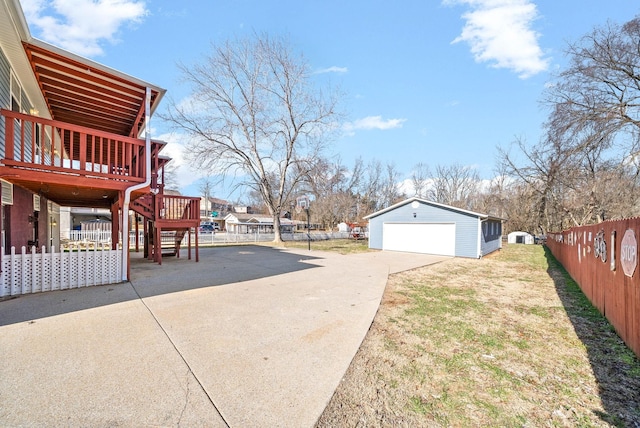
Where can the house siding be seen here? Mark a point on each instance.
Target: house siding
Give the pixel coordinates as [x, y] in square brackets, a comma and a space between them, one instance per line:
[20, 219]
[466, 225]
[5, 97]
[25, 107]
[491, 236]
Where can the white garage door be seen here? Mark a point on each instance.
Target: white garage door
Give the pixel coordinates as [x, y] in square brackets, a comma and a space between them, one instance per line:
[428, 238]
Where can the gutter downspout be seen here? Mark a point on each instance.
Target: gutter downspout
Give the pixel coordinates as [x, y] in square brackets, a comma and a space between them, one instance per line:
[129, 190]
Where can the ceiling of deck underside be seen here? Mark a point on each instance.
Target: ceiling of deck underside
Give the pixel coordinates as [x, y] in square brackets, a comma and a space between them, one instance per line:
[80, 94]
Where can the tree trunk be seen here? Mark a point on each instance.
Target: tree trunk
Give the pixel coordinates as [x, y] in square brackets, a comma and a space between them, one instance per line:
[277, 235]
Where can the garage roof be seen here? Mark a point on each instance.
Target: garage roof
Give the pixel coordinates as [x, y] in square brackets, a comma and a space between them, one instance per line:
[436, 204]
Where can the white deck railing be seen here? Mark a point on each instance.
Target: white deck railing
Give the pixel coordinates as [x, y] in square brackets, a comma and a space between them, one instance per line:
[91, 238]
[35, 272]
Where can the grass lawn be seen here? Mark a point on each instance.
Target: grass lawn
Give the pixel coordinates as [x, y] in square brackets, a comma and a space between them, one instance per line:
[508, 340]
[342, 246]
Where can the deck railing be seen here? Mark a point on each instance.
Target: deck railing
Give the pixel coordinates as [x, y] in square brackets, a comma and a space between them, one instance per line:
[55, 146]
[170, 207]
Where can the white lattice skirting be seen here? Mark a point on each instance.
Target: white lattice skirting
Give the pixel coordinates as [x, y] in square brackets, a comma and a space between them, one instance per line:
[36, 272]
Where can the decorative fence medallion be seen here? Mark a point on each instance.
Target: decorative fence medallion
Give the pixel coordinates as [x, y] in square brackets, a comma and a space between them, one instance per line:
[600, 246]
[629, 252]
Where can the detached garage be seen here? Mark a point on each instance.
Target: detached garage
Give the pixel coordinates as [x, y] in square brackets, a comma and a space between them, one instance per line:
[420, 226]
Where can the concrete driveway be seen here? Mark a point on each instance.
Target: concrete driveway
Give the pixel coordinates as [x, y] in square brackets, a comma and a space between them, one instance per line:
[250, 336]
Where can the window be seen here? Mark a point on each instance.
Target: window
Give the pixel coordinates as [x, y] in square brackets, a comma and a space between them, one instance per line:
[15, 91]
[7, 192]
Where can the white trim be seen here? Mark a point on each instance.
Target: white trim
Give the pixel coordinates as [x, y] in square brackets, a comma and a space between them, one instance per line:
[7, 192]
[479, 249]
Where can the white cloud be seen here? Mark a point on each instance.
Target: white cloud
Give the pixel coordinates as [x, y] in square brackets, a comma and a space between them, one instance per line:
[499, 32]
[373, 122]
[80, 26]
[176, 149]
[332, 69]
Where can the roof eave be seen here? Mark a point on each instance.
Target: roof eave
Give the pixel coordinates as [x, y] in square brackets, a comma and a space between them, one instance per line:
[18, 14]
[93, 64]
[415, 198]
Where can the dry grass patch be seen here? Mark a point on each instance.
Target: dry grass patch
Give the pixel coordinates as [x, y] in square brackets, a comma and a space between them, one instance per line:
[342, 246]
[502, 341]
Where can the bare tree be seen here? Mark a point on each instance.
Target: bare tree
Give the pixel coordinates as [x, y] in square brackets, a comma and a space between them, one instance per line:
[255, 114]
[391, 192]
[494, 198]
[601, 87]
[379, 186]
[454, 185]
[333, 186]
[420, 179]
[582, 170]
[206, 187]
[170, 176]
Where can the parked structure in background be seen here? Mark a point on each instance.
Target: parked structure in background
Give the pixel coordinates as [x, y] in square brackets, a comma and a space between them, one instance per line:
[520, 238]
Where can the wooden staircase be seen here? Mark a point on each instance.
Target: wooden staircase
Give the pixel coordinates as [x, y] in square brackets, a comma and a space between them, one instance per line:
[167, 219]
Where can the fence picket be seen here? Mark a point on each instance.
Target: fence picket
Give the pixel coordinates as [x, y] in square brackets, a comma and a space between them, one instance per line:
[47, 263]
[11, 269]
[23, 269]
[33, 271]
[34, 274]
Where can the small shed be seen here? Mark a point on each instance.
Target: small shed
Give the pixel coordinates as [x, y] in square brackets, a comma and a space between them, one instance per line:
[420, 226]
[520, 238]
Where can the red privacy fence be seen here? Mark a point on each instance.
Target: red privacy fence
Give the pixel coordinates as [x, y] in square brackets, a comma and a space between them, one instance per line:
[603, 260]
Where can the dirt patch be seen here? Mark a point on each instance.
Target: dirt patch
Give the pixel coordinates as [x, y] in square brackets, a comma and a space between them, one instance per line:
[503, 341]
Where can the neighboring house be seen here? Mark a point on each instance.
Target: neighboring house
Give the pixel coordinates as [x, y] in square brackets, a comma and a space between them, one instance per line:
[520, 238]
[255, 223]
[242, 210]
[72, 135]
[214, 210]
[420, 226]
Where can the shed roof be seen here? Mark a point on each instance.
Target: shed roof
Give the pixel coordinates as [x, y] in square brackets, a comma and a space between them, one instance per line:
[435, 204]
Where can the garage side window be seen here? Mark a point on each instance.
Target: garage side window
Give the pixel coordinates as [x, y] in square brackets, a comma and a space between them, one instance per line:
[492, 230]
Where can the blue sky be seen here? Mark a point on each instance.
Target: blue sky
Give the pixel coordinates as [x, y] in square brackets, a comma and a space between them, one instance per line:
[437, 82]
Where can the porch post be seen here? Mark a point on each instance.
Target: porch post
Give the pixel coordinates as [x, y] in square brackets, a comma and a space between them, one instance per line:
[115, 224]
[137, 229]
[189, 242]
[157, 244]
[197, 215]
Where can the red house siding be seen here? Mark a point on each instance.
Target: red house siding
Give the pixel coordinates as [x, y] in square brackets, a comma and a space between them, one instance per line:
[21, 220]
